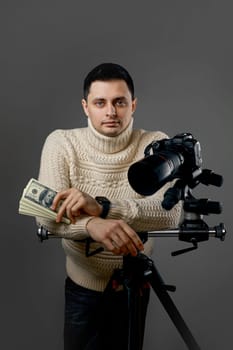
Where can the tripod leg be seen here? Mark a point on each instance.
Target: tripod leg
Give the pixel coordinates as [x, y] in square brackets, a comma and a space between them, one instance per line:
[138, 299]
[160, 289]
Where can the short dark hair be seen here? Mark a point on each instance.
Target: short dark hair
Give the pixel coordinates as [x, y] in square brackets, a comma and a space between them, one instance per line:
[106, 72]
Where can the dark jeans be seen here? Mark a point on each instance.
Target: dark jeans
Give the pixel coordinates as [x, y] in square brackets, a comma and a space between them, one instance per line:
[97, 321]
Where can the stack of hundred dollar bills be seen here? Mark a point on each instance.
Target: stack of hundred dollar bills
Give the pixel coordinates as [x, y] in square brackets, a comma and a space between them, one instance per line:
[37, 200]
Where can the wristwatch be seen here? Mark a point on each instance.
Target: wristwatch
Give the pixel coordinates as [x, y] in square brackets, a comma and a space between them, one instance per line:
[105, 202]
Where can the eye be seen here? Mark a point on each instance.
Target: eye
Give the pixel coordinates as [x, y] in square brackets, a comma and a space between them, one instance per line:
[99, 103]
[121, 103]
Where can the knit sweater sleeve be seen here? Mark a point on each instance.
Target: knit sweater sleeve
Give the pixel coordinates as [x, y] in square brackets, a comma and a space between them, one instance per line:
[54, 173]
[146, 213]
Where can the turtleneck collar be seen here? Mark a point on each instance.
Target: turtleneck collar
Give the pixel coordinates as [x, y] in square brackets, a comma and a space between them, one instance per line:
[108, 144]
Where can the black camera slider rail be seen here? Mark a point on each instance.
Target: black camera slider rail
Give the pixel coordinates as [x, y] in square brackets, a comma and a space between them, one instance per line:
[192, 235]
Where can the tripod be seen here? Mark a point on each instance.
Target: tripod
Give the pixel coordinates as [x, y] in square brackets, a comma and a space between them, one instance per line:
[135, 273]
[140, 270]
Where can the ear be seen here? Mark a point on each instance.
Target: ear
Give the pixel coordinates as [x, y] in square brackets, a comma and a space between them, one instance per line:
[134, 105]
[85, 107]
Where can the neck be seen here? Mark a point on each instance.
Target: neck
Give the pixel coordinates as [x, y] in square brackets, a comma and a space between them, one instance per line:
[109, 144]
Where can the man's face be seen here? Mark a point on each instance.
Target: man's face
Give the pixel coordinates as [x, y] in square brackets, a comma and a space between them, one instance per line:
[48, 199]
[109, 106]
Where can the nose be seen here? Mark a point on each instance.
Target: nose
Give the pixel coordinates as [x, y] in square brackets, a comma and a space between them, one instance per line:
[111, 110]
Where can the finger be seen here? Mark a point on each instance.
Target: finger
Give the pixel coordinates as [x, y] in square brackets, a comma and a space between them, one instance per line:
[132, 250]
[120, 239]
[59, 196]
[73, 208]
[118, 242]
[73, 218]
[76, 205]
[135, 239]
[110, 246]
[131, 240]
[62, 210]
[70, 205]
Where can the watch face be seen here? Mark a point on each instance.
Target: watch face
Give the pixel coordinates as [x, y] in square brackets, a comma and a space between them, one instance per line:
[102, 199]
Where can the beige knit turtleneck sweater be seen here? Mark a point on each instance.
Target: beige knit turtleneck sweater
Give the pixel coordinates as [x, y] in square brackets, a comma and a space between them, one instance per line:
[98, 164]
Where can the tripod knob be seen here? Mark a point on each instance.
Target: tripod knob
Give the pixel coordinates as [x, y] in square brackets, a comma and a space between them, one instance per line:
[203, 206]
[42, 233]
[220, 231]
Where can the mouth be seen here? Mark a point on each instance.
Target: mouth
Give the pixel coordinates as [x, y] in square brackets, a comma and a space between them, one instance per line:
[111, 123]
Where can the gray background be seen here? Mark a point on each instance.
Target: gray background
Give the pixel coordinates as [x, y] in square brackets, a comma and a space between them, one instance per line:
[180, 55]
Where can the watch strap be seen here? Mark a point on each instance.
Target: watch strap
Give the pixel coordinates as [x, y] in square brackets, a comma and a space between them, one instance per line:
[105, 202]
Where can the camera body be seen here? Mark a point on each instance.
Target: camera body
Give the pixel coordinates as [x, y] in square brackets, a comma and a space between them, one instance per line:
[165, 160]
[183, 145]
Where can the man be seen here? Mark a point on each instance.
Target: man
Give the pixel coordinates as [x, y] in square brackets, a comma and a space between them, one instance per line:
[46, 198]
[84, 165]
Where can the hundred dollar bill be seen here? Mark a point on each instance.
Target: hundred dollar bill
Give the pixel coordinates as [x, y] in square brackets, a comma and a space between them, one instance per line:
[37, 199]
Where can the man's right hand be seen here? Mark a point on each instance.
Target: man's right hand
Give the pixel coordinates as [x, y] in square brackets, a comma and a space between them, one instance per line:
[116, 236]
